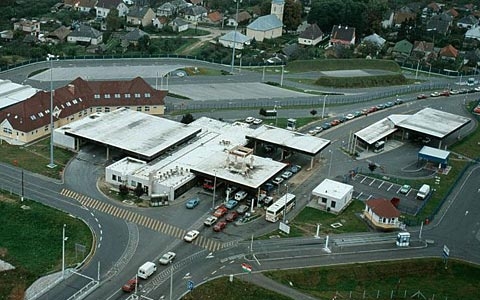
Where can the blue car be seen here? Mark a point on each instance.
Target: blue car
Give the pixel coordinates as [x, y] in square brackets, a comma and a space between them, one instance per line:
[326, 125]
[191, 203]
[231, 204]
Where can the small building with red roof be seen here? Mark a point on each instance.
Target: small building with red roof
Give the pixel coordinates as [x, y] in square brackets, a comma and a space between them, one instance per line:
[382, 214]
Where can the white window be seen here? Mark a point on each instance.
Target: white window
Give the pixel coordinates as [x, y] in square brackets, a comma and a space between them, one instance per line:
[127, 95]
[106, 96]
[96, 96]
[147, 95]
[137, 95]
[117, 95]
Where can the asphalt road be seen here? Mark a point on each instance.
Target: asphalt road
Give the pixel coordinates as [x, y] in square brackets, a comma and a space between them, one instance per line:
[123, 243]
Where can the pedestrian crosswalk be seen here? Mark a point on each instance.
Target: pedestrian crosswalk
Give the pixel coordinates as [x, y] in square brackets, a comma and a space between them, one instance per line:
[141, 220]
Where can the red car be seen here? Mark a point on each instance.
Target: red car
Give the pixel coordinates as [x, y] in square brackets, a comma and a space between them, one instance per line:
[335, 122]
[372, 109]
[422, 96]
[232, 216]
[219, 212]
[130, 285]
[445, 93]
[219, 226]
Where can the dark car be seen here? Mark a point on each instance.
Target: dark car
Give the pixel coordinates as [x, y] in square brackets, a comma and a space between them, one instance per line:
[268, 187]
[326, 125]
[130, 285]
[372, 109]
[219, 226]
[231, 216]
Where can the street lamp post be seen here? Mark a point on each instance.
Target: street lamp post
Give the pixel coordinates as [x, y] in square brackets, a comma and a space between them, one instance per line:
[63, 250]
[330, 165]
[50, 58]
[285, 206]
[235, 36]
[23, 190]
[323, 109]
[214, 189]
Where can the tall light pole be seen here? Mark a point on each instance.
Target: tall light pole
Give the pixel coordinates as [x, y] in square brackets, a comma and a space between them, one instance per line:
[50, 58]
[323, 109]
[330, 165]
[23, 190]
[63, 250]
[235, 35]
[214, 188]
[285, 206]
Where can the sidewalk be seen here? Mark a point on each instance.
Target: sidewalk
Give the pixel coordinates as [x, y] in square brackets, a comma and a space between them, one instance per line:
[45, 283]
[263, 281]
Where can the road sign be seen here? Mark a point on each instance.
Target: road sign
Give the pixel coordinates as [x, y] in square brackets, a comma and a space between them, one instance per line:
[246, 267]
[446, 251]
[190, 285]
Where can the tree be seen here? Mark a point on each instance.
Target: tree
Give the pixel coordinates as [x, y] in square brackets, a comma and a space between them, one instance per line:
[313, 112]
[372, 167]
[123, 189]
[187, 119]
[114, 22]
[139, 190]
[262, 112]
[144, 43]
[292, 14]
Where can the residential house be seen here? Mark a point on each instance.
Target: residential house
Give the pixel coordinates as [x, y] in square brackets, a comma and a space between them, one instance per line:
[180, 5]
[81, 5]
[59, 35]
[431, 9]
[243, 18]
[302, 26]
[6, 35]
[311, 36]
[179, 25]
[342, 36]
[29, 120]
[265, 27]
[167, 9]
[196, 2]
[452, 12]
[132, 37]
[422, 49]
[214, 17]
[404, 14]
[473, 33]
[195, 13]
[467, 22]
[291, 50]
[333, 196]
[160, 22]
[375, 39]
[31, 27]
[85, 34]
[234, 39]
[440, 24]
[402, 50]
[382, 214]
[472, 58]
[448, 53]
[103, 7]
[140, 16]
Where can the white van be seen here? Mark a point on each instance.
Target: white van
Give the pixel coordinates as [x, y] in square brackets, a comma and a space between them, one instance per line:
[423, 192]
[146, 270]
[240, 195]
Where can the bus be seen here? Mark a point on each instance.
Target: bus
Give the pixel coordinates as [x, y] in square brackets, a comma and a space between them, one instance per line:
[379, 146]
[280, 207]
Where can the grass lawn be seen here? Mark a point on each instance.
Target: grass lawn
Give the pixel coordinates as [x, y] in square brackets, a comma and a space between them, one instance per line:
[218, 289]
[428, 276]
[35, 157]
[305, 223]
[32, 242]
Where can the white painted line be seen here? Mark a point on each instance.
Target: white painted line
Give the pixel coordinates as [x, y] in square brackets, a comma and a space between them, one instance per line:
[363, 179]
[101, 238]
[381, 184]
[92, 214]
[213, 273]
[99, 225]
[371, 183]
[101, 231]
[222, 267]
[232, 261]
[390, 187]
[96, 220]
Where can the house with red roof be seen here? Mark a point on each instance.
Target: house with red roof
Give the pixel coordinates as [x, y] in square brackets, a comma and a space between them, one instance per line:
[382, 214]
[342, 36]
[448, 53]
[29, 120]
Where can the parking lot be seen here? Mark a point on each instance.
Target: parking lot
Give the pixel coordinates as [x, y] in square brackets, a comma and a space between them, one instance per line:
[366, 188]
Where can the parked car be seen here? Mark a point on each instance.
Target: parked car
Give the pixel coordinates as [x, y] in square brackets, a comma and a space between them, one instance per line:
[445, 93]
[398, 102]
[326, 125]
[240, 195]
[287, 175]
[435, 94]
[257, 121]
[130, 285]
[220, 226]
[249, 120]
[231, 204]
[210, 221]
[191, 235]
[192, 203]
[231, 190]
[422, 96]
[335, 122]
[295, 169]
[242, 209]
[389, 104]
[167, 258]
[220, 211]
[372, 109]
[350, 116]
[231, 216]
[268, 187]
[380, 106]
[357, 113]
[405, 189]
[267, 201]
[277, 180]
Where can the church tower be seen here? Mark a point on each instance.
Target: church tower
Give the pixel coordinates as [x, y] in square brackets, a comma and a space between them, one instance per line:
[277, 9]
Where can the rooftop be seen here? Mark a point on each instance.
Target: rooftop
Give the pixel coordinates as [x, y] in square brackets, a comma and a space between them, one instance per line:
[332, 188]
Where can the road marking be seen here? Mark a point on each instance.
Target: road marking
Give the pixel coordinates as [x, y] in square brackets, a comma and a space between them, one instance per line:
[139, 219]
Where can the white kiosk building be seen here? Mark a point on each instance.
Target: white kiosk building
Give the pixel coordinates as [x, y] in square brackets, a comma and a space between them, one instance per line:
[333, 195]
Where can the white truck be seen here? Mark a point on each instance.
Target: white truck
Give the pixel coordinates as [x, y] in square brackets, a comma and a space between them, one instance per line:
[146, 270]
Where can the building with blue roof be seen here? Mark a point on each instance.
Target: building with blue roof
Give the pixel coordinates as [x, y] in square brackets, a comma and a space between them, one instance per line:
[269, 26]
